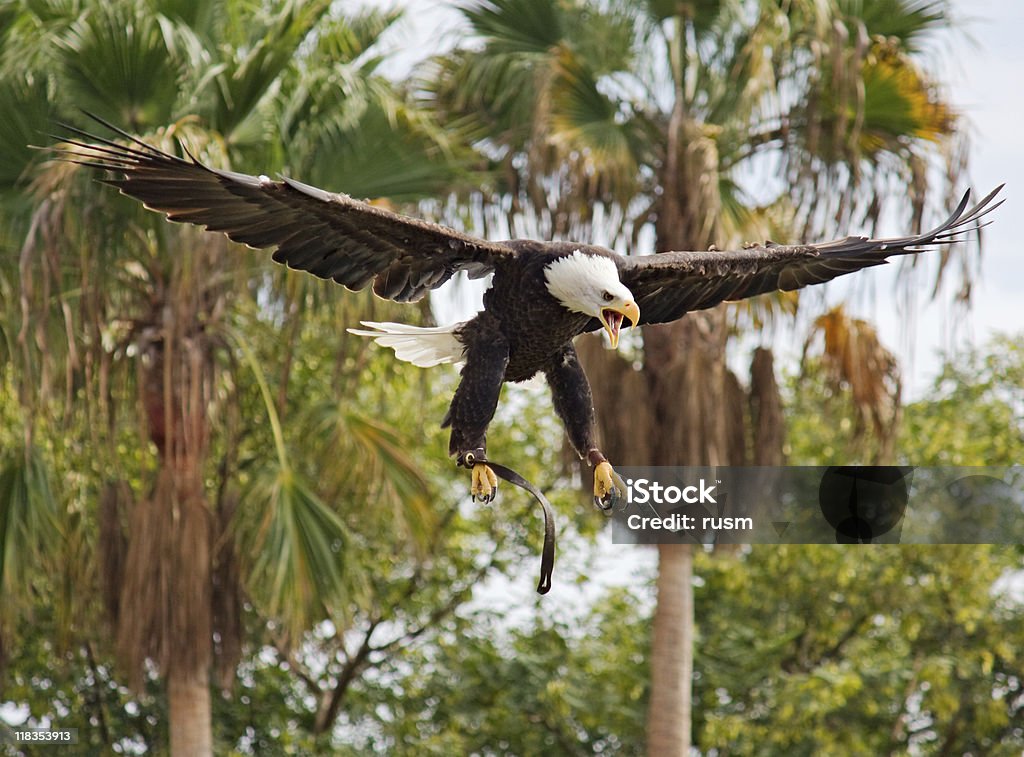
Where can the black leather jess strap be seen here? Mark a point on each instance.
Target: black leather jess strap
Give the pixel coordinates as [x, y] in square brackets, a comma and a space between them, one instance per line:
[547, 555]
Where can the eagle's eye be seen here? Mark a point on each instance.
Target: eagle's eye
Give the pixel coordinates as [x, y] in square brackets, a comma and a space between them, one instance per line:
[608, 296]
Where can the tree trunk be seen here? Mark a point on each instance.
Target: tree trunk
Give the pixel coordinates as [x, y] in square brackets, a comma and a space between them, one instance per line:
[687, 408]
[685, 372]
[188, 697]
[165, 612]
[684, 363]
[669, 711]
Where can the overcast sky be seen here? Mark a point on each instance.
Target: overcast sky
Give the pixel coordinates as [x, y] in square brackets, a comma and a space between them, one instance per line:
[982, 63]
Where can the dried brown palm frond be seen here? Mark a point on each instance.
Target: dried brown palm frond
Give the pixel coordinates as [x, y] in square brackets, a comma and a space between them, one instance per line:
[859, 364]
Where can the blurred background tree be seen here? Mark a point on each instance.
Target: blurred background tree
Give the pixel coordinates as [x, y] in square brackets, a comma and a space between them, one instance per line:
[184, 443]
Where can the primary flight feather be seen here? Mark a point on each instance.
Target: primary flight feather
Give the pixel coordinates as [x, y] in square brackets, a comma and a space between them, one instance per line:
[543, 294]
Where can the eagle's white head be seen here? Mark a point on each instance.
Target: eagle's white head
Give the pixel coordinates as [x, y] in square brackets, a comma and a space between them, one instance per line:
[589, 284]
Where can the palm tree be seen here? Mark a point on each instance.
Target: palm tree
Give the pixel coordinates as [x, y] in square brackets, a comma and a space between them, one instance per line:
[654, 122]
[134, 339]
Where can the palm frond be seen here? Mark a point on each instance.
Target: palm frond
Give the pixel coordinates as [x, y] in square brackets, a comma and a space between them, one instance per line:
[899, 103]
[380, 146]
[203, 17]
[516, 26]
[389, 479]
[29, 519]
[603, 36]
[28, 110]
[248, 76]
[493, 95]
[701, 13]
[116, 58]
[299, 573]
[352, 39]
[908, 21]
[857, 362]
[585, 122]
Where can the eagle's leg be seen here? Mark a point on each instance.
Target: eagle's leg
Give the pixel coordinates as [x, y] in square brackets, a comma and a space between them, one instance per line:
[570, 392]
[473, 407]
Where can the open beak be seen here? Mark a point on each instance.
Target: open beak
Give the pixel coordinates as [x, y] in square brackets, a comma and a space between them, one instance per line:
[612, 319]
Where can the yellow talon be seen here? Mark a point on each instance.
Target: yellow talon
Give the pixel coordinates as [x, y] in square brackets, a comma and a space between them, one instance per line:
[605, 490]
[485, 483]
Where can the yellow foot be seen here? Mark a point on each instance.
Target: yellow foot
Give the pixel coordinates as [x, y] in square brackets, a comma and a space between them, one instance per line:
[485, 483]
[605, 490]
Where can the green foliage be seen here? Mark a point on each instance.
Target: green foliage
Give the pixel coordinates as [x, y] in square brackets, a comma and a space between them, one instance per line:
[268, 712]
[906, 20]
[29, 107]
[577, 103]
[812, 650]
[801, 649]
[307, 487]
[300, 556]
[820, 429]
[975, 413]
[29, 518]
[540, 687]
[973, 416]
[116, 60]
[518, 26]
[78, 687]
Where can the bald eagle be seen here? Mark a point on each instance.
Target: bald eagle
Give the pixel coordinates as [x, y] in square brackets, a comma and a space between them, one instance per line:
[542, 295]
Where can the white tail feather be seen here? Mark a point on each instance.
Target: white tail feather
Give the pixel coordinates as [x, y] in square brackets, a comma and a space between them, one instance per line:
[419, 345]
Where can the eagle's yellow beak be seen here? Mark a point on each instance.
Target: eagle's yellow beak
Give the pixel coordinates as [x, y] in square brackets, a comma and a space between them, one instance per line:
[612, 318]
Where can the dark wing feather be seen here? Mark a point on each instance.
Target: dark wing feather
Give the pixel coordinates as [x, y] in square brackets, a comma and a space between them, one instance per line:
[670, 284]
[329, 235]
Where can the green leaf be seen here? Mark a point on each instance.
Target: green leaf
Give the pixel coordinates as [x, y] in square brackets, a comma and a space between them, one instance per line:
[28, 519]
[299, 572]
[909, 21]
[29, 114]
[517, 26]
[583, 118]
[250, 73]
[116, 59]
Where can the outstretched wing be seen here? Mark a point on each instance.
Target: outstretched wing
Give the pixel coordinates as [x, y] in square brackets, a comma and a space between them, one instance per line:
[329, 235]
[670, 284]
